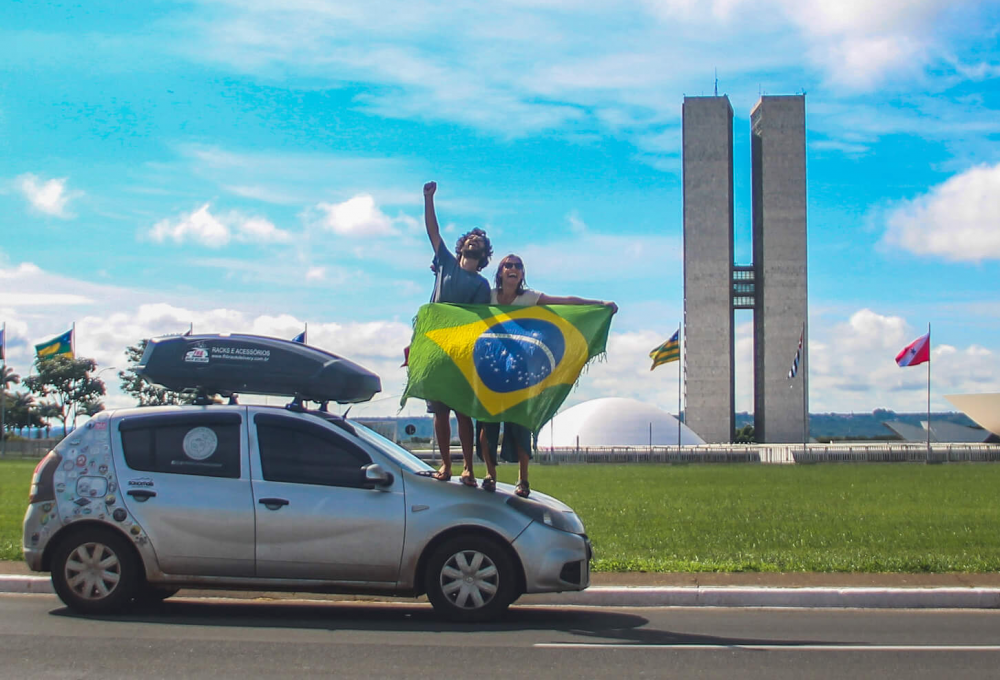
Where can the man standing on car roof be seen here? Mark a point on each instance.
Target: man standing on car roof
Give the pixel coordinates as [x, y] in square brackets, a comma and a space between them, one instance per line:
[457, 280]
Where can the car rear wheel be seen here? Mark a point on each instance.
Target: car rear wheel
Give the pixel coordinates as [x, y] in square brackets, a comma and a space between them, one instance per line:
[470, 578]
[95, 572]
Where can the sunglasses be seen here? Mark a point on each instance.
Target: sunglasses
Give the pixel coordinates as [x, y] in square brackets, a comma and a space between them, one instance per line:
[513, 265]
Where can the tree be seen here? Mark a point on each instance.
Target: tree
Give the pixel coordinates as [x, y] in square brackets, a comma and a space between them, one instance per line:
[21, 412]
[46, 411]
[8, 377]
[68, 383]
[146, 394]
[745, 435]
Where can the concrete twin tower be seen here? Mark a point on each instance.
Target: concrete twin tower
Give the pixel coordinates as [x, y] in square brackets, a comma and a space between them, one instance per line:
[773, 286]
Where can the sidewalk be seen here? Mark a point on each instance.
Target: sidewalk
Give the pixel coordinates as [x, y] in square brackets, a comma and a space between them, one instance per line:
[631, 589]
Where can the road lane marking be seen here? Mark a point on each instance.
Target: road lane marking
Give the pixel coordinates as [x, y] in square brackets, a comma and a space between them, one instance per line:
[775, 647]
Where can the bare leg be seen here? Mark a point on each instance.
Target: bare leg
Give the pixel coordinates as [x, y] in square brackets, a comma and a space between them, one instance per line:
[442, 430]
[489, 457]
[466, 434]
[522, 489]
[522, 462]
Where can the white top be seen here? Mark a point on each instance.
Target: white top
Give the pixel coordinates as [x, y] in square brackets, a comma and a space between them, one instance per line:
[526, 299]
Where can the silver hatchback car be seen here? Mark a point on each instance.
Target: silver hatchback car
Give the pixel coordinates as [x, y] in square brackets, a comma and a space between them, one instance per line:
[141, 502]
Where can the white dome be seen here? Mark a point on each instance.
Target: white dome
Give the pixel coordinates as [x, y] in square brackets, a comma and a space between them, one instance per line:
[614, 421]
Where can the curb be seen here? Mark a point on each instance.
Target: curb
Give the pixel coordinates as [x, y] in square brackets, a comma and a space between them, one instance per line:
[706, 596]
[738, 596]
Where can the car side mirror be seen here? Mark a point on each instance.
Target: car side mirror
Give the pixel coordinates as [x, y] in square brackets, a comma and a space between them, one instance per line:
[375, 475]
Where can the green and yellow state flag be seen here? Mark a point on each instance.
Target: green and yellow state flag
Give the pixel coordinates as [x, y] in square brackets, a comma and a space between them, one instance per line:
[62, 344]
[498, 363]
[667, 352]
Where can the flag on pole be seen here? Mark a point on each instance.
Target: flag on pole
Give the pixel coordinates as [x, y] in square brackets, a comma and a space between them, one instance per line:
[3, 343]
[61, 344]
[497, 364]
[917, 352]
[794, 370]
[300, 338]
[667, 352]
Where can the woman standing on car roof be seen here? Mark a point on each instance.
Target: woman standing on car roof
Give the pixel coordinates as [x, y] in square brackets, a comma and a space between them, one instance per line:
[510, 289]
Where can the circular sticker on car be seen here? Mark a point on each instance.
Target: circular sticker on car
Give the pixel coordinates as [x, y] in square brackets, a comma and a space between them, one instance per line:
[200, 443]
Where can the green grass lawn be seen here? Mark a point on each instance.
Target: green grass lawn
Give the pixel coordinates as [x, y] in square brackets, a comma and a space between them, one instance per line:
[15, 480]
[865, 517]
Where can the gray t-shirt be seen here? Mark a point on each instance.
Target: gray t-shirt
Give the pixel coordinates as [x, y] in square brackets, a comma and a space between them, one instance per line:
[454, 284]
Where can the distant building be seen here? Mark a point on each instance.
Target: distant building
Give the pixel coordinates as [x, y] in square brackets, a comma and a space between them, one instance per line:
[774, 286]
[614, 421]
[984, 409]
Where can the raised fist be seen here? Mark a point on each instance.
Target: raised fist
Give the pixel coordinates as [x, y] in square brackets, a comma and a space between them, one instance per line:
[430, 188]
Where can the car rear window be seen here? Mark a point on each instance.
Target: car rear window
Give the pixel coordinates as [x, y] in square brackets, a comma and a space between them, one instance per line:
[183, 444]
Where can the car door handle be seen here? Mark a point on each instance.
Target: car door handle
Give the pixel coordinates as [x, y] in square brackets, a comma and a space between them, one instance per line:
[141, 494]
[273, 503]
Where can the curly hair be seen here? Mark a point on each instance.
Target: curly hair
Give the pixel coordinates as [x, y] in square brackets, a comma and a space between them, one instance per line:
[487, 247]
[498, 278]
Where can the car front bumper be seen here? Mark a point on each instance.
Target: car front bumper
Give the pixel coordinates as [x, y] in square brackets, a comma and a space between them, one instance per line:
[553, 560]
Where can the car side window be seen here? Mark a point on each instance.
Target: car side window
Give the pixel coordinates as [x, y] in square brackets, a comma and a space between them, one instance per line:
[304, 453]
[207, 446]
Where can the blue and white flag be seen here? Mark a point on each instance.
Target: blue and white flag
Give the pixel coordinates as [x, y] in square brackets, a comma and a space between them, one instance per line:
[300, 338]
[794, 370]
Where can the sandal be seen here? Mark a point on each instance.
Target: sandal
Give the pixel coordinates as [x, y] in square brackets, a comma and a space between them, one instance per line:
[489, 484]
[469, 480]
[439, 475]
[522, 489]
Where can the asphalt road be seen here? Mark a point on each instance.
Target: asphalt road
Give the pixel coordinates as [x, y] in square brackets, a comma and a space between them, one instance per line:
[218, 638]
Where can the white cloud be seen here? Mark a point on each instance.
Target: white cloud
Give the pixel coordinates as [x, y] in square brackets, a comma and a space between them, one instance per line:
[852, 366]
[576, 225]
[958, 220]
[215, 231]
[593, 257]
[520, 67]
[358, 216]
[200, 226]
[49, 197]
[259, 230]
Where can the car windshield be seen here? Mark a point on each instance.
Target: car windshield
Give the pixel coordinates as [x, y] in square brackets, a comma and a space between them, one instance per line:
[400, 455]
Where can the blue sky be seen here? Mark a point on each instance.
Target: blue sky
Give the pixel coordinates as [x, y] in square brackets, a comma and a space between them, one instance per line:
[253, 166]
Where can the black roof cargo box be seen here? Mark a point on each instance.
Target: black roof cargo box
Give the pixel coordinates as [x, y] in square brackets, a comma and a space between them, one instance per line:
[252, 364]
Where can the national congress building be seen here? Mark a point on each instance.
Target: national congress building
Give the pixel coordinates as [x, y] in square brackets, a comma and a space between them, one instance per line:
[773, 286]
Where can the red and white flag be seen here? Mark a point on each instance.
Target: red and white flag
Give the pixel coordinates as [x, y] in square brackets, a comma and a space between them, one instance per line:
[917, 352]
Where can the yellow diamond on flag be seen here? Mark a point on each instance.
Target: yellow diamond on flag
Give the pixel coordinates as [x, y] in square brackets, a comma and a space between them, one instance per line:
[537, 348]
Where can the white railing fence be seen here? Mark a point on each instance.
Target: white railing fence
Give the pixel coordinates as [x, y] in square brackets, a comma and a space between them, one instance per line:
[882, 452]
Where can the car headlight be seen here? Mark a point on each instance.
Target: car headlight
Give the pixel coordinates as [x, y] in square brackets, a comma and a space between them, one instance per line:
[557, 519]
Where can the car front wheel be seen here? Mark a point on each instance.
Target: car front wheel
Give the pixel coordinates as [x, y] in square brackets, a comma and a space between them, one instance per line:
[470, 578]
[95, 572]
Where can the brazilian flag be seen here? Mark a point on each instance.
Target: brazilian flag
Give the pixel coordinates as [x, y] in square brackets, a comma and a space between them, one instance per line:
[62, 344]
[514, 364]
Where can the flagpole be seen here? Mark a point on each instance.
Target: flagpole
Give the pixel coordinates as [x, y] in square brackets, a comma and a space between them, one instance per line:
[928, 391]
[3, 390]
[679, 362]
[72, 341]
[805, 401]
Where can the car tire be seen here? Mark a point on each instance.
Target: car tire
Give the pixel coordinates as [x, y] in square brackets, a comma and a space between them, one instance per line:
[470, 578]
[95, 571]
